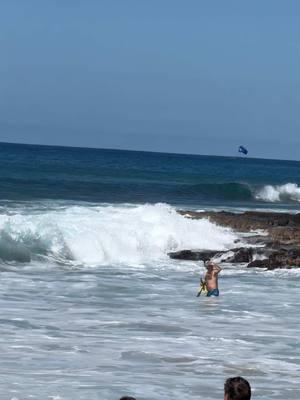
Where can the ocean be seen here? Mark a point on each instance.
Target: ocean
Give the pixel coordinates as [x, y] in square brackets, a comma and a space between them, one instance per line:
[92, 306]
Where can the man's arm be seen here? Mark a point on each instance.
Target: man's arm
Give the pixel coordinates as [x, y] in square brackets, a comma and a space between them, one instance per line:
[217, 269]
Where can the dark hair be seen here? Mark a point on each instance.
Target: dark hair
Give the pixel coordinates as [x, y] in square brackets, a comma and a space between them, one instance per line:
[237, 388]
[127, 398]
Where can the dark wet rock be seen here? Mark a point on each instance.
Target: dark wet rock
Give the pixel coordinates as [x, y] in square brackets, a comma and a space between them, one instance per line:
[258, 240]
[249, 220]
[278, 258]
[284, 258]
[279, 247]
[258, 264]
[195, 255]
[285, 235]
[241, 255]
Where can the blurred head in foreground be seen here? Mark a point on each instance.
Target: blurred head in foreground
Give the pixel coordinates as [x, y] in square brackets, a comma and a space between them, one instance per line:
[237, 388]
[127, 398]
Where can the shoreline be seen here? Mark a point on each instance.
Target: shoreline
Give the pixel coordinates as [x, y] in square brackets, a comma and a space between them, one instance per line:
[274, 243]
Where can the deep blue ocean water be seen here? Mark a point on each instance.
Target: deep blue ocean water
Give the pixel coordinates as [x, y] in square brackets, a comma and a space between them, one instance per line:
[93, 308]
[31, 172]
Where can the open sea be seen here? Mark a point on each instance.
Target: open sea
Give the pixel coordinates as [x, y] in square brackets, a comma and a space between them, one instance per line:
[93, 308]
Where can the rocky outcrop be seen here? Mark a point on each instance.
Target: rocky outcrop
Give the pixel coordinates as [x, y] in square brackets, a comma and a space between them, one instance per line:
[282, 258]
[239, 255]
[280, 241]
[195, 255]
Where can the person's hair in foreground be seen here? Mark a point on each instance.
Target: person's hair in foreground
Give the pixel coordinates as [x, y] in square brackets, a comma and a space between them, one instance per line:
[237, 388]
[127, 398]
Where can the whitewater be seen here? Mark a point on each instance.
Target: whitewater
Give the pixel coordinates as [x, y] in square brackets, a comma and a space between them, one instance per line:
[289, 192]
[93, 307]
[97, 308]
[102, 235]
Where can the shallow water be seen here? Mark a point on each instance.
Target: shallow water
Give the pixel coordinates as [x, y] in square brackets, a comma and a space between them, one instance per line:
[102, 332]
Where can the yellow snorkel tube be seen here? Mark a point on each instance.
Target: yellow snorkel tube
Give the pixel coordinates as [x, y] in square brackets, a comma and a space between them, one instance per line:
[202, 288]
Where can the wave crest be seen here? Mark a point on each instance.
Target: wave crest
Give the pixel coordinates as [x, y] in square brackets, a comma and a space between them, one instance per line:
[287, 192]
[107, 234]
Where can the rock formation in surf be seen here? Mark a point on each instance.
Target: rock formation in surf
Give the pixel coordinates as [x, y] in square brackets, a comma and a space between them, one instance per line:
[276, 243]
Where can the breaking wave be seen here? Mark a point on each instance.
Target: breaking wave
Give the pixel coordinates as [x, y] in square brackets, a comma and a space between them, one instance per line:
[105, 234]
[289, 192]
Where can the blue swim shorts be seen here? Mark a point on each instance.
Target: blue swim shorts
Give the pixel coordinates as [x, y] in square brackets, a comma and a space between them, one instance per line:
[214, 292]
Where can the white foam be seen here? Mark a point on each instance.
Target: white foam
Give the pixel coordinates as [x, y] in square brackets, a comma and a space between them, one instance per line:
[269, 193]
[118, 234]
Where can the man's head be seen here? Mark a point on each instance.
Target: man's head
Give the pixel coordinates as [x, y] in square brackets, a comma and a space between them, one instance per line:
[209, 265]
[237, 388]
[127, 398]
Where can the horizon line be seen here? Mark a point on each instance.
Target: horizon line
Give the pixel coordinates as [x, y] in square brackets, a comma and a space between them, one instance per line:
[140, 151]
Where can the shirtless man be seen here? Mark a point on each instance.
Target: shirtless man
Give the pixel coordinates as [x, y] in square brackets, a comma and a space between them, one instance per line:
[211, 279]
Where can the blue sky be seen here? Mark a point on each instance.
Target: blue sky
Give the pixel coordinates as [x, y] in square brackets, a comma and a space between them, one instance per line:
[177, 76]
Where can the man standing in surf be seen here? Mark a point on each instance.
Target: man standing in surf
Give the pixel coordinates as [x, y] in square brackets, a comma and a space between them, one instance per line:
[211, 279]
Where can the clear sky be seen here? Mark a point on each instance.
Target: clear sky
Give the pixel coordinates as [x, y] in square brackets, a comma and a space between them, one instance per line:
[187, 76]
